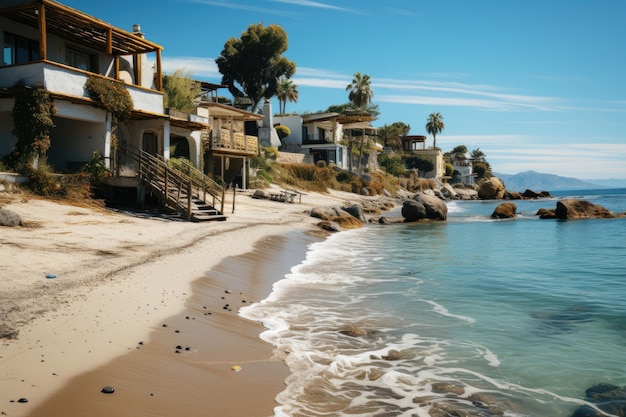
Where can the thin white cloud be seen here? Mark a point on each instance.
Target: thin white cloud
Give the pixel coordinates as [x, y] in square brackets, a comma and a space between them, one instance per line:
[320, 83]
[198, 67]
[310, 3]
[316, 72]
[484, 104]
[244, 7]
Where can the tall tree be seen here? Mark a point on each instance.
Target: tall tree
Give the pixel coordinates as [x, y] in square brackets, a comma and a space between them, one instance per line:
[478, 155]
[360, 91]
[180, 90]
[434, 126]
[286, 91]
[392, 134]
[252, 65]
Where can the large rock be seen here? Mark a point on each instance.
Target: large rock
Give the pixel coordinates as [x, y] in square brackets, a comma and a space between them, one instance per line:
[491, 189]
[580, 209]
[504, 211]
[356, 210]
[532, 194]
[337, 215]
[466, 194]
[424, 206]
[608, 398]
[9, 218]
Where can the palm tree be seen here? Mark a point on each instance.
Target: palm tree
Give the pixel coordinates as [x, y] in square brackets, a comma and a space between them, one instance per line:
[478, 155]
[286, 91]
[360, 91]
[435, 125]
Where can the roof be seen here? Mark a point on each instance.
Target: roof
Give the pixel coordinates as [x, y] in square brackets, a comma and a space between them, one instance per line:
[223, 110]
[73, 24]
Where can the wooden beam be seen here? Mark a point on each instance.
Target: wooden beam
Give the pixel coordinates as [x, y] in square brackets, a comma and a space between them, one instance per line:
[117, 67]
[43, 42]
[109, 41]
[159, 72]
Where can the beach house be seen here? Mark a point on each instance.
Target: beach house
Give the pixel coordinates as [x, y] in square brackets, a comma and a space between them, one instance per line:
[61, 49]
[416, 145]
[49, 44]
[329, 137]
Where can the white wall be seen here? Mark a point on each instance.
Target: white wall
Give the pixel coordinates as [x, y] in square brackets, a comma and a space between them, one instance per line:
[74, 141]
[294, 123]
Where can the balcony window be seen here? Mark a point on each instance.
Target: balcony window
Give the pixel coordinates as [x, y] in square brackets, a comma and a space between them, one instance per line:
[80, 59]
[19, 50]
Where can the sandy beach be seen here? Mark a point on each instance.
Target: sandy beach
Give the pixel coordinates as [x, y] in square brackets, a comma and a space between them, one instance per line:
[145, 305]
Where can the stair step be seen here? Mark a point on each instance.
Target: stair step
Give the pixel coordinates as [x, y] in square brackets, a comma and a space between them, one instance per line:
[205, 217]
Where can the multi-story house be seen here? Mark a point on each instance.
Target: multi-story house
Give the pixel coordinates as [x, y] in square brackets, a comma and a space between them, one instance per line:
[328, 136]
[60, 48]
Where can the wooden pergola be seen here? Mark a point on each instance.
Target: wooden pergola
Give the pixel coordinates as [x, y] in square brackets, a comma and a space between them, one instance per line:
[68, 23]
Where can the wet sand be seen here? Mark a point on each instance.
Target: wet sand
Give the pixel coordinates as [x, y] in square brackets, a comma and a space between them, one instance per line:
[184, 367]
[118, 278]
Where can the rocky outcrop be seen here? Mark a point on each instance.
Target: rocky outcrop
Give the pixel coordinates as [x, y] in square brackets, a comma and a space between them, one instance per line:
[576, 209]
[609, 398]
[337, 215]
[424, 206]
[466, 193]
[491, 189]
[9, 218]
[504, 211]
[532, 194]
[356, 210]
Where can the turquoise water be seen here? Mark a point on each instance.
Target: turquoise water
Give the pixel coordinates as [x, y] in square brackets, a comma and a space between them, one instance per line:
[518, 315]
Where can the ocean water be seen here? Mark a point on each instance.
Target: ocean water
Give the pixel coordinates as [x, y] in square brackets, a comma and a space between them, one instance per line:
[512, 316]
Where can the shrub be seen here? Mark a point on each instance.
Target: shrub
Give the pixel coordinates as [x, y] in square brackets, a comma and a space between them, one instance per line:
[282, 131]
[96, 169]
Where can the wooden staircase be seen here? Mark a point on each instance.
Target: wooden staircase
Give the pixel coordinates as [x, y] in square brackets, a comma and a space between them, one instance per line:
[192, 194]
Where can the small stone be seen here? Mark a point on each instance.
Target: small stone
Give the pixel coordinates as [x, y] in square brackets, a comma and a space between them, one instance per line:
[227, 291]
[107, 390]
[165, 325]
[179, 347]
[22, 400]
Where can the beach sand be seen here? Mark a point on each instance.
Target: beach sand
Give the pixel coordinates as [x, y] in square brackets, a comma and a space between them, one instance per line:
[145, 305]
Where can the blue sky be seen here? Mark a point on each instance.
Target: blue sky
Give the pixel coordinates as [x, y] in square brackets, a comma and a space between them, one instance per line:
[535, 84]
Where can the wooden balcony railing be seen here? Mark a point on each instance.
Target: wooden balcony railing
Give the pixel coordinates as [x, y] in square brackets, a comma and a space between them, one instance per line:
[236, 141]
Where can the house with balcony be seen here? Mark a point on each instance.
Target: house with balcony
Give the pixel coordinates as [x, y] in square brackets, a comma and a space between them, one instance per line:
[230, 143]
[328, 136]
[60, 48]
[49, 44]
[416, 145]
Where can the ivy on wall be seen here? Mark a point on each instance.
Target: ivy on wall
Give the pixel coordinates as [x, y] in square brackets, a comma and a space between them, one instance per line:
[113, 97]
[32, 121]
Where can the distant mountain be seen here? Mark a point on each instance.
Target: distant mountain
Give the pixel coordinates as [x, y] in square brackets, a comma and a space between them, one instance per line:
[610, 183]
[536, 181]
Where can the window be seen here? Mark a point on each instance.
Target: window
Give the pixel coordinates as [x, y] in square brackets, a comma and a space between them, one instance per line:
[19, 50]
[80, 59]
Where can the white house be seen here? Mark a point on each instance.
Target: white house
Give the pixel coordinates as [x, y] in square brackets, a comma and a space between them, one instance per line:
[58, 47]
[325, 136]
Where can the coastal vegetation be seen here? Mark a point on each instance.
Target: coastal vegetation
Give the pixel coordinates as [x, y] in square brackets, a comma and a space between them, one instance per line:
[287, 91]
[434, 126]
[252, 66]
[180, 90]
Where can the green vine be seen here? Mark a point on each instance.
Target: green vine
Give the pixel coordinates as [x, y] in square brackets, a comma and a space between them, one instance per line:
[113, 96]
[32, 120]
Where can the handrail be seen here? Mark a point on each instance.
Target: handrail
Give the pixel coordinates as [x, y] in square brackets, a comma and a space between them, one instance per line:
[175, 183]
[205, 184]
